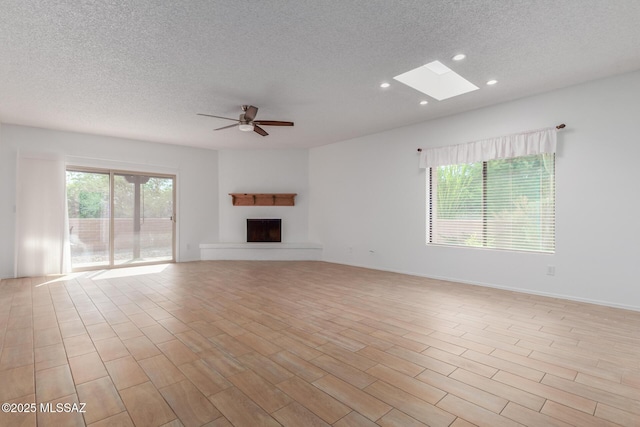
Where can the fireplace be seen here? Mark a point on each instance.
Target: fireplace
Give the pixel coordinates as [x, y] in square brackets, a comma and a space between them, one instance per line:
[264, 230]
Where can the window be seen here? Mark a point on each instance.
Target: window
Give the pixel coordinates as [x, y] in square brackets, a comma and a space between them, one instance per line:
[502, 204]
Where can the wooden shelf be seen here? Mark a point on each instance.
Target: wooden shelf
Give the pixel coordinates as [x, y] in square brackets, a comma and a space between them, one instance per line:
[263, 199]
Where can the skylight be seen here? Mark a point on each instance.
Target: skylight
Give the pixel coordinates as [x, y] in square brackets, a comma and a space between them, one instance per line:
[436, 80]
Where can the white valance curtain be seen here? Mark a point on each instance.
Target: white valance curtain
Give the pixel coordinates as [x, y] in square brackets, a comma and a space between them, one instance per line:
[42, 244]
[502, 147]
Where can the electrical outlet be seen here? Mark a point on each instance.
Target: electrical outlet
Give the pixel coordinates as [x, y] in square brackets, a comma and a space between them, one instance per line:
[551, 270]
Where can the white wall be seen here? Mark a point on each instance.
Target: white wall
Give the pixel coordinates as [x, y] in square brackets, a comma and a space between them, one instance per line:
[196, 170]
[365, 201]
[368, 197]
[263, 171]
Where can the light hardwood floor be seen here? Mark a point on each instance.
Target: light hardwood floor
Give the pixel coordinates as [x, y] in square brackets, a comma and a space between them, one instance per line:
[301, 344]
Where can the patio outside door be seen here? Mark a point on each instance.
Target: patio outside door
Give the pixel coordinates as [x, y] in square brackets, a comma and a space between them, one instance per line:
[120, 218]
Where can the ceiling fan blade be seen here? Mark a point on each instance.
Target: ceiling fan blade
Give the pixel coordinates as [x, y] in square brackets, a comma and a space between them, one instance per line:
[273, 123]
[217, 117]
[258, 129]
[227, 127]
[250, 113]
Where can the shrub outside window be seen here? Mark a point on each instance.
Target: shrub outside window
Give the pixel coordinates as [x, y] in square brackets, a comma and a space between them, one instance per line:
[500, 204]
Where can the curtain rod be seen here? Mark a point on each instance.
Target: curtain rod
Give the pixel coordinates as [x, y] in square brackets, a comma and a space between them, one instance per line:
[560, 126]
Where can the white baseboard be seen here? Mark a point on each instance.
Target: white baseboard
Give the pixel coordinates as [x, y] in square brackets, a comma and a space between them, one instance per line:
[505, 288]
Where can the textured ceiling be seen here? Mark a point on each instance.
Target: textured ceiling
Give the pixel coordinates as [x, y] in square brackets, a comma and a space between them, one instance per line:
[142, 69]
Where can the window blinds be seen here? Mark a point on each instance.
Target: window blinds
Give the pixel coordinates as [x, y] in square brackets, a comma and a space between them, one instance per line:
[502, 203]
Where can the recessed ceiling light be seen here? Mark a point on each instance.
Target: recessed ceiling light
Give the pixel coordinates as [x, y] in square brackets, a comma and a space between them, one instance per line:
[385, 85]
[436, 80]
[424, 102]
[492, 82]
[459, 57]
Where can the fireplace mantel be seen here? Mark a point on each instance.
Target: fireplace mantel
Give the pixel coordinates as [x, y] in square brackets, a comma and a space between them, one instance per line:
[263, 199]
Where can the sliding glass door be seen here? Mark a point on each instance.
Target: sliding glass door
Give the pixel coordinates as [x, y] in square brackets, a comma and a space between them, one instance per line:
[143, 218]
[120, 218]
[88, 196]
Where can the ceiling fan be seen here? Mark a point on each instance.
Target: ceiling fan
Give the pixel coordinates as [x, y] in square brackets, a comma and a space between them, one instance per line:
[247, 122]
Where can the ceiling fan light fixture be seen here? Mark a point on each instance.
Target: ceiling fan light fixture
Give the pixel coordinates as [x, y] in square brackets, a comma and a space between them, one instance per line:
[246, 122]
